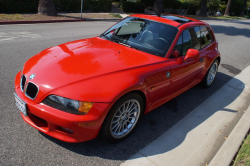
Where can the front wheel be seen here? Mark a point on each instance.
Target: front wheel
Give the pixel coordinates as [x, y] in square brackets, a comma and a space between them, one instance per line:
[210, 76]
[122, 118]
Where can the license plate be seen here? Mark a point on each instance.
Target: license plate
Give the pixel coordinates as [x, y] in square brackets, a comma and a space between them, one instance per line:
[21, 104]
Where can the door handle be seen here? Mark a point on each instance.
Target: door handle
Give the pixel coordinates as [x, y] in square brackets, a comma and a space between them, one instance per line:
[201, 59]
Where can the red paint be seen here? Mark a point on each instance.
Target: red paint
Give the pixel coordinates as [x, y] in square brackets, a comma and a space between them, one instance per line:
[101, 71]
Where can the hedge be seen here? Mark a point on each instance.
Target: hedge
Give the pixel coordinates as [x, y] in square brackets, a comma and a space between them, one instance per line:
[147, 2]
[88, 5]
[18, 6]
[132, 7]
[236, 7]
[31, 6]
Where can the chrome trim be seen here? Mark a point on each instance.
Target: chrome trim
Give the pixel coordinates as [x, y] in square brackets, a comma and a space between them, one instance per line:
[22, 89]
[21, 83]
[26, 90]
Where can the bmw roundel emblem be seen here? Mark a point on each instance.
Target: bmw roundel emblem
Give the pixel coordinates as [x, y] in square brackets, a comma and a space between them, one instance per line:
[32, 76]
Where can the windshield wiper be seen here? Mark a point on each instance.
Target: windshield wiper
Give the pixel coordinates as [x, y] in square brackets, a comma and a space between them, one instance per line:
[125, 44]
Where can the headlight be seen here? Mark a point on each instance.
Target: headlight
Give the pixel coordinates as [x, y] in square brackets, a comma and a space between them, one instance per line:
[68, 105]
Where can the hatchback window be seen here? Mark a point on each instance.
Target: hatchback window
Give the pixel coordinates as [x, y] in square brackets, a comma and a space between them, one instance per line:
[141, 34]
[195, 33]
[210, 36]
[206, 37]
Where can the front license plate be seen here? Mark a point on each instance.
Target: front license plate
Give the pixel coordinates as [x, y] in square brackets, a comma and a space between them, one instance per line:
[21, 104]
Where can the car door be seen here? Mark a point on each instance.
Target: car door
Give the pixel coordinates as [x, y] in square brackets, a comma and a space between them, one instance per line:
[184, 74]
[158, 81]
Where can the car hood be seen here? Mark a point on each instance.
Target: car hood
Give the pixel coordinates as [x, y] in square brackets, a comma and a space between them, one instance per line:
[83, 59]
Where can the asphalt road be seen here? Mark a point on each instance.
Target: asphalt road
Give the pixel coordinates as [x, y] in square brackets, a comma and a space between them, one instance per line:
[21, 144]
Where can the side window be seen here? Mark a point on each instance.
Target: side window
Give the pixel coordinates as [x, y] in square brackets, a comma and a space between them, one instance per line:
[178, 46]
[187, 41]
[206, 37]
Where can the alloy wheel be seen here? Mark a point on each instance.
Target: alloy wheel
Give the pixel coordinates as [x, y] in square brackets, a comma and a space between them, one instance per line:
[212, 73]
[125, 118]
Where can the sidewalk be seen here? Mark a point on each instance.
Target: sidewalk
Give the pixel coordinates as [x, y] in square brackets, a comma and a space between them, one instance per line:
[61, 17]
[211, 133]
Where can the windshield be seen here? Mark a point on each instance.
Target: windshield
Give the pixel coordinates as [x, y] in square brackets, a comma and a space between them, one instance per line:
[145, 35]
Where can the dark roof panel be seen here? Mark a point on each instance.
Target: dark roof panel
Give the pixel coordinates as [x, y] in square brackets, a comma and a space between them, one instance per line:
[180, 20]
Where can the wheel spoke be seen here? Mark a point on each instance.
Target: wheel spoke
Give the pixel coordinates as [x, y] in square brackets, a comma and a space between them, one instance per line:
[120, 127]
[132, 117]
[117, 128]
[117, 124]
[120, 111]
[115, 121]
[131, 113]
[123, 108]
[127, 106]
[131, 106]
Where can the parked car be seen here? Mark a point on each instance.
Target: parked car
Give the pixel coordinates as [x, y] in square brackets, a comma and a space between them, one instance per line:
[102, 85]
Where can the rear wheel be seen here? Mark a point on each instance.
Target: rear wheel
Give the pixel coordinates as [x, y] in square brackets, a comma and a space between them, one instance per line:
[210, 76]
[122, 118]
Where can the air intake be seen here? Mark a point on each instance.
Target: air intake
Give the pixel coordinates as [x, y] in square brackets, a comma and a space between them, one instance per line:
[31, 90]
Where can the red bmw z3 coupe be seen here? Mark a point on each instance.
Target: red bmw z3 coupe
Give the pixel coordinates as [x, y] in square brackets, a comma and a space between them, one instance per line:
[102, 85]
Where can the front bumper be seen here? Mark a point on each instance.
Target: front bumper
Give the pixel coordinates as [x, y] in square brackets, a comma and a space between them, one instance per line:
[62, 125]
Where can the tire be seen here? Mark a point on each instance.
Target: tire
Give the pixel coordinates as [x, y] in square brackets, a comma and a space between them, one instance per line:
[122, 118]
[210, 75]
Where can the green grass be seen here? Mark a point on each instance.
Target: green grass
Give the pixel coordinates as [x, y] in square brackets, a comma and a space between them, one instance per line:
[115, 15]
[243, 156]
[11, 17]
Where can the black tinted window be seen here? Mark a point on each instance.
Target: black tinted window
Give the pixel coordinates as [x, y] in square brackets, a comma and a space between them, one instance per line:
[187, 41]
[178, 46]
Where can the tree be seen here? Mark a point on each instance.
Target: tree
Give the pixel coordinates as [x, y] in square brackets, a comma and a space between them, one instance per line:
[228, 8]
[158, 7]
[243, 8]
[47, 7]
[203, 10]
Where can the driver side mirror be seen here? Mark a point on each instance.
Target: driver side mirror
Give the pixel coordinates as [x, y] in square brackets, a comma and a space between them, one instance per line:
[192, 54]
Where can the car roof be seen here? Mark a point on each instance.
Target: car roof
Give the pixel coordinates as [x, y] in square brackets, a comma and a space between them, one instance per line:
[171, 19]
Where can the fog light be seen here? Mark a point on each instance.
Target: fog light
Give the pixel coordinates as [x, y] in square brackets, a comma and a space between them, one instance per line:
[87, 124]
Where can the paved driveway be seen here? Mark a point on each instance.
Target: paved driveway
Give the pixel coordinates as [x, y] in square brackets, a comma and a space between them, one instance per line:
[21, 144]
